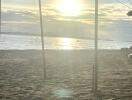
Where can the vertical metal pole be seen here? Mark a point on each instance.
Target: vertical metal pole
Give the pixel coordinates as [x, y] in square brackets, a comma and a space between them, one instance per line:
[42, 39]
[95, 69]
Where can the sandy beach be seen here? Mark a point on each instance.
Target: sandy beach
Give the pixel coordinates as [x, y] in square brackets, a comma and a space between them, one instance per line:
[69, 75]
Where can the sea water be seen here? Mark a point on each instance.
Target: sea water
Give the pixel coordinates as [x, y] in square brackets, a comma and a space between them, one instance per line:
[22, 42]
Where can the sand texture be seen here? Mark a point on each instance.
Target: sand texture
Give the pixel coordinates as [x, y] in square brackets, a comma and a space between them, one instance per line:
[69, 75]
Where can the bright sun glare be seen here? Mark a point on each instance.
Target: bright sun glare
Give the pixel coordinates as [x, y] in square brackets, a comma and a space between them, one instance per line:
[69, 7]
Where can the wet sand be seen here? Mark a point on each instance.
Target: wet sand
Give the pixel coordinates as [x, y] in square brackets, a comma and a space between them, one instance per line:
[69, 75]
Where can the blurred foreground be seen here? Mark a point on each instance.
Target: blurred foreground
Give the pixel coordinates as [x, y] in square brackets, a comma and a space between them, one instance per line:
[69, 75]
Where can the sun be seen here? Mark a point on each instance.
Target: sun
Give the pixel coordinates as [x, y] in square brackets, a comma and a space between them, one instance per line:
[69, 8]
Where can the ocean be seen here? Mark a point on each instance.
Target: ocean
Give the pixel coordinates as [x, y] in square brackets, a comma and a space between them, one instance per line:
[22, 42]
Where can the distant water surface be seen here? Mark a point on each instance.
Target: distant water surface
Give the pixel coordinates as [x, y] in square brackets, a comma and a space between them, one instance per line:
[9, 42]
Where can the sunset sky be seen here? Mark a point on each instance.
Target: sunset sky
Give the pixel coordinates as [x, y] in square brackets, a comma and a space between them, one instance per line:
[59, 20]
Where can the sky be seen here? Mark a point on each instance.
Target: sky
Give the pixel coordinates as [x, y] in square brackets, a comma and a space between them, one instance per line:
[22, 16]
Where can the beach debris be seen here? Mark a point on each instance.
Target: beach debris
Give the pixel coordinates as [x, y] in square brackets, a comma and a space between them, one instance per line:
[130, 57]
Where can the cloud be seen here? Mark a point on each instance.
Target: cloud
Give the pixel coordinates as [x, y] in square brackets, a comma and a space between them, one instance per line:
[107, 13]
[113, 21]
[113, 12]
[52, 19]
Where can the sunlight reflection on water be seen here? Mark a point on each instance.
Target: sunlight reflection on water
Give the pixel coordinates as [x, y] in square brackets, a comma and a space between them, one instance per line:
[34, 42]
[67, 43]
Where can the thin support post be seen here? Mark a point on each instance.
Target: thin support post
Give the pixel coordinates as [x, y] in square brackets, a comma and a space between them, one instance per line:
[42, 40]
[95, 68]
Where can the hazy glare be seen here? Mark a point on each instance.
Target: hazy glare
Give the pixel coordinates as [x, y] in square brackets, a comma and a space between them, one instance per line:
[22, 16]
